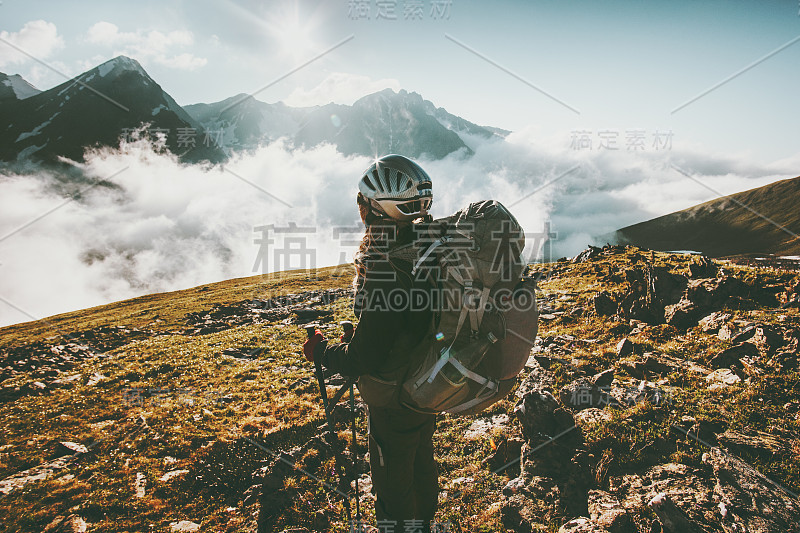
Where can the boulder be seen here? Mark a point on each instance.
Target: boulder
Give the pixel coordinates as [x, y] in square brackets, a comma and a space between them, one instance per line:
[604, 304]
[607, 512]
[625, 347]
[731, 356]
[748, 501]
[713, 322]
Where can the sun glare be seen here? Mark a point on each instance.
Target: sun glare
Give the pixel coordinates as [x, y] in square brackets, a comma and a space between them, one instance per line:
[292, 32]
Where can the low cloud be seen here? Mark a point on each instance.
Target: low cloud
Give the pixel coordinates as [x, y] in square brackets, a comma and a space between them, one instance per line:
[339, 88]
[38, 38]
[157, 224]
[147, 46]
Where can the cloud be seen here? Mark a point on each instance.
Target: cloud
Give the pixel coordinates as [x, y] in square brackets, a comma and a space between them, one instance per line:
[38, 38]
[147, 46]
[162, 225]
[339, 88]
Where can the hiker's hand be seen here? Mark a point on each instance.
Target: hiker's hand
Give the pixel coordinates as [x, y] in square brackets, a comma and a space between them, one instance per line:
[311, 344]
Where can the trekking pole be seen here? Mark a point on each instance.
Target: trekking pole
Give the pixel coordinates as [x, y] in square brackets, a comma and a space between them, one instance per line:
[348, 332]
[323, 390]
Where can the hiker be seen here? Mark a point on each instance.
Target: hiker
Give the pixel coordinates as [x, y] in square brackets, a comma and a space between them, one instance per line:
[394, 194]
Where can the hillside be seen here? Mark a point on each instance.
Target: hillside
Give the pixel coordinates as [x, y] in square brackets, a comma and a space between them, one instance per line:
[764, 220]
[658, 389]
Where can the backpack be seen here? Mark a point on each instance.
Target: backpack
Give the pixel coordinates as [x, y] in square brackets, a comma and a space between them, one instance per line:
[485, 320]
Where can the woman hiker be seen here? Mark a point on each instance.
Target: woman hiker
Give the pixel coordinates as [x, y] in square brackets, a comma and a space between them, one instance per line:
[394, 193]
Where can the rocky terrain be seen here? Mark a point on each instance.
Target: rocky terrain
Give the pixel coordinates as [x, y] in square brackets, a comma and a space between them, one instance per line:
[661, 395]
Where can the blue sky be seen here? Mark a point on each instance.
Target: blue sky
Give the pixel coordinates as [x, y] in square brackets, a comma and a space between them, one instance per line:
[623, 65]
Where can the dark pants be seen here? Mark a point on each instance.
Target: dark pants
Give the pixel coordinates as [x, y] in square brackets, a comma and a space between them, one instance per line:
[404, 472]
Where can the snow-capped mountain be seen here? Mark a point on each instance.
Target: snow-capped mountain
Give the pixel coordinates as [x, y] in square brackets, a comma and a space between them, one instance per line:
[15, 88]
[97, 108]
[379, 123]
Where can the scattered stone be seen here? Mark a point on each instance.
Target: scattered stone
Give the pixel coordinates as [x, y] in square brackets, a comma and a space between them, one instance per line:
[70, 448]
[582, 394]
[625, 347]
[184, 526]
[671, 517]
[171, 474]
[582, 525]
[592, 416]
[607, 512]
[69, 524]
[650, 365]
[713, 322]
[721, 379]
[604, 304]
[731, 356]
[484, 428]
[139, 485]
[751, 501]
[762, 444]
[604, 378]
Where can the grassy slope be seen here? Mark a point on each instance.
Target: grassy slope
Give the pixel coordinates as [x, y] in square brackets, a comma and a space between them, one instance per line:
[723, 226]
[274, 399]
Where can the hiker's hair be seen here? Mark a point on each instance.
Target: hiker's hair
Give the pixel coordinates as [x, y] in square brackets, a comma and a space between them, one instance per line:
[380, 232]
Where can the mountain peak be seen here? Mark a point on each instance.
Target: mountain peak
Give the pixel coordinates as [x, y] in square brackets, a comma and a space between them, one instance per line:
[15, 86]
[120, 64]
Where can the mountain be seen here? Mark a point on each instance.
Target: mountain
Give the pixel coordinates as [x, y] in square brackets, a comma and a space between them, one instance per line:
[96, 108]
[15, 88]
[757, 221]
[379, 123]
[245, 122]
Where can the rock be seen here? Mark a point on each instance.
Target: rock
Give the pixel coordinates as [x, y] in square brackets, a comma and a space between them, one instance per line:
[586, 418]
[70, 448]
[582, 525]
[535, 413]
[689, 488]
[649, 291]
[731, 356]
[604, 304]
[762, 444]
[702, 267]
[722, 378]
[606, 511]
[485, 428]
[184, 526]
[538, 379]
[767, 339]
[524, 503]
[171, 474]
[139, 485]
[625, 347]
[749, 500]
[506, 457]
[726, 332]
[713, 322]
[672, 518]
[587, 255]
[650, 365]
[582, 393]
[604, 378]
[69, 524]
[682, 315]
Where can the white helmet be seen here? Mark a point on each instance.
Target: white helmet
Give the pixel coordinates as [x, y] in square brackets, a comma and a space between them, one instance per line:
[397, 187]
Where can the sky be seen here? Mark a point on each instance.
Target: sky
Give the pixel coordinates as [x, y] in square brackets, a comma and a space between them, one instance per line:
[555, 68]
[709, 88]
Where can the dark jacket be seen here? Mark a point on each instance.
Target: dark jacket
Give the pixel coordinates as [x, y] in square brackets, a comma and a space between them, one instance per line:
[386, 315]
